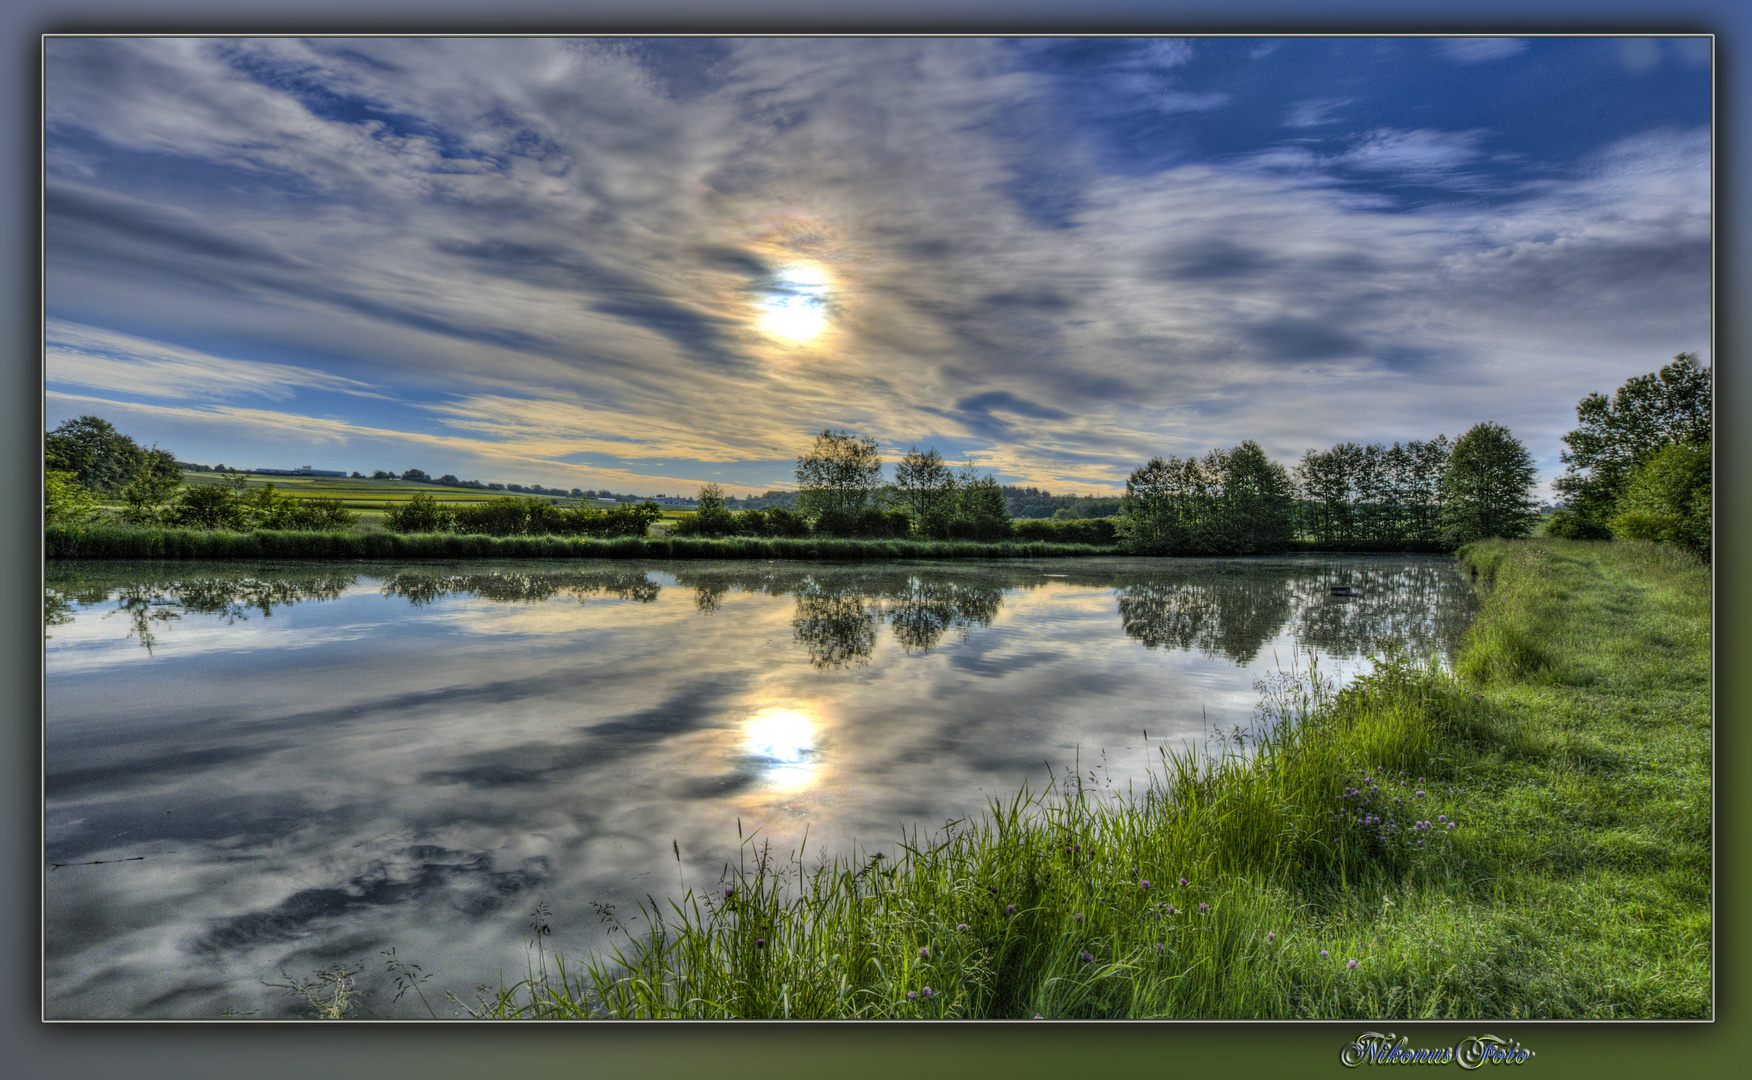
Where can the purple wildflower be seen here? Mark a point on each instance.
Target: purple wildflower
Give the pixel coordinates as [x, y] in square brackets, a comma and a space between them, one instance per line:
[924, 952]
[912, 995]
[927, 992]
[1010, 910]
[1088, 957]
[1352, 964]
[1324, 954]
[1204, 909]
[1078, 917]
[1144, 884]
[1183, 881]
[1271, 935]
[760, 943]
[960, 926]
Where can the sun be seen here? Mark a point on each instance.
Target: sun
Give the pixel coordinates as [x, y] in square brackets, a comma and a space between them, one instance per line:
[793, 306]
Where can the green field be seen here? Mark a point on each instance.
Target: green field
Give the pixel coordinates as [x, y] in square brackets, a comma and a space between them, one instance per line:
[372, 498]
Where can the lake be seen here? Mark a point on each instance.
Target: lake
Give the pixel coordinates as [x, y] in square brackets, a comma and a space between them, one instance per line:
[255, 769]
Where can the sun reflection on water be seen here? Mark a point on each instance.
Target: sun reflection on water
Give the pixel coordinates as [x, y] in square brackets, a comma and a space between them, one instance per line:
[782, 742]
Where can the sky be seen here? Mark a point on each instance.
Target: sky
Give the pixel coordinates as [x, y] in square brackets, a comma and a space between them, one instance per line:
[643, 265]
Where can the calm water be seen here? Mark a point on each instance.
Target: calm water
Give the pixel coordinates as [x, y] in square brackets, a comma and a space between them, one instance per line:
[250, 769]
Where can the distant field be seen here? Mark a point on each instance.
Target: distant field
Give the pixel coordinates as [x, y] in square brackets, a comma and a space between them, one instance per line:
[381, 495]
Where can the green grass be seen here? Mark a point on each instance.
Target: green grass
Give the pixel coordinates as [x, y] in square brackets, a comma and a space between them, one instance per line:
[1570, 745]
[106, 541]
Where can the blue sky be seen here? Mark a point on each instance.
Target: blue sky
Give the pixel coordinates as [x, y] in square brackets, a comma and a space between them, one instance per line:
[645, 264]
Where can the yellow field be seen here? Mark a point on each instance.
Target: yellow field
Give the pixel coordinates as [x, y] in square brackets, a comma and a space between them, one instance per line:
[383, 495]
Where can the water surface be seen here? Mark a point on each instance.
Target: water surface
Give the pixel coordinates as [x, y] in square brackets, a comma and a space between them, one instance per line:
[257, 768]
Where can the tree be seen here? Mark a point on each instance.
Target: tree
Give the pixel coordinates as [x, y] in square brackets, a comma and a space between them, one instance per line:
[1485, 488]
[99, 457]
[1160, 510]
[156, 478]
[922, 481]
[711, 517]
[839, 476]
[1612, 437]
[1667, 499]
[65, 500]
[416, 474]
[1256, 507]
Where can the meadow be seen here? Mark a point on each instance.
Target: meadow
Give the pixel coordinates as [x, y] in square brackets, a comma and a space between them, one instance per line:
[1526, 834]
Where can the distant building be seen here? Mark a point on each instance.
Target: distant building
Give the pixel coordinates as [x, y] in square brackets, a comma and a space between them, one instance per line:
[302, 470]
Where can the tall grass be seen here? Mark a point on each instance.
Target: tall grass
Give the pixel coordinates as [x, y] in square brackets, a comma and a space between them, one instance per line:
[1526, 836]
[102, 541]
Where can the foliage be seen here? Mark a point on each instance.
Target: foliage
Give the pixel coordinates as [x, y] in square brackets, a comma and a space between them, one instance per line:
[420, 514]
[711, 517]
[1612, 437]
[923, 482]
[1374, 492]
[65, 500]
[1666, 498]
[1230, 502]
[99, 457]
[1485, 488]
[839, 476]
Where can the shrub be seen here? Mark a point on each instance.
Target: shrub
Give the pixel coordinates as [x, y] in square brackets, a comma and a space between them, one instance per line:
[420, 514]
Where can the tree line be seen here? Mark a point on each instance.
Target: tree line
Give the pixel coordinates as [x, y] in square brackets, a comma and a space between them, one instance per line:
[1638, 467]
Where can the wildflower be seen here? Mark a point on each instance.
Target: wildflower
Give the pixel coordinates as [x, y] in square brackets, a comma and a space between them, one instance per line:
[912, 995]
[1450, 824]
[1204, 909]
[1010, 910]
[1037, 1016]
[1088, 957]
[1271, 935]
[960, 927]
[924, 952]
[1172, 910]
[1078, 917]
[878, 855]
[1183, 881]
[1352, 964]
[1144, 884]
[926, 992]
[729, 891]
[1324, 954]
[760, 943]
[1441, 817]
[1420, 793]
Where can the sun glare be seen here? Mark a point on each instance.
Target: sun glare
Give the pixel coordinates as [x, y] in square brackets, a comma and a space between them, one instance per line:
[782, 740]
[794, 305]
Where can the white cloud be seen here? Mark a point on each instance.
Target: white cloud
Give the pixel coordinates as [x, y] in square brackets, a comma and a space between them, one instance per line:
[80, 355]
[1478, 50]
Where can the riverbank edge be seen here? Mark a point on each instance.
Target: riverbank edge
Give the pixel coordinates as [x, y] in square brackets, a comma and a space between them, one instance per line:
[88, 542]
[1549, 857]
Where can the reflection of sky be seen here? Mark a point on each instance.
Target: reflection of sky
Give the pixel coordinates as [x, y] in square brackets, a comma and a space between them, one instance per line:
[423, 779]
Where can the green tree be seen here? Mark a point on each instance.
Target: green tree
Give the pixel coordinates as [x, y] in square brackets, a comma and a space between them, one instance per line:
[923, 482]
[1163, 504]
[1667, 499]
[838, 478]
[1256, 507]
[1612, 437]
[156, 478]
[1485, 488]
[711, 516]
[65, 500]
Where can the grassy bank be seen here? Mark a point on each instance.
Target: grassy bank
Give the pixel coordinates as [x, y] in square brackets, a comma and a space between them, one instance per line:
[369, 541]
[1525, 837]
[126, 542]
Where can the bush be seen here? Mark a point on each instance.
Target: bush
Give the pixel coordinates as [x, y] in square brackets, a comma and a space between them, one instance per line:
[207, 507]
[1068, 530]
[1667, 499]
[420, 514]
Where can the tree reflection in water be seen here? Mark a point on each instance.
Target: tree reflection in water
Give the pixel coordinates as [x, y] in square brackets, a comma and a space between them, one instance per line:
[1219, 608]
